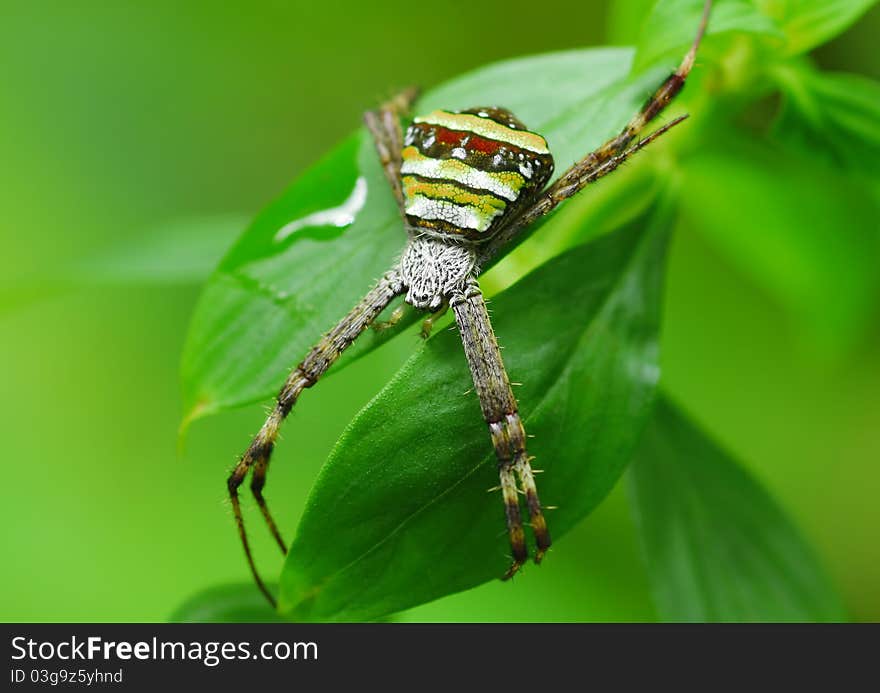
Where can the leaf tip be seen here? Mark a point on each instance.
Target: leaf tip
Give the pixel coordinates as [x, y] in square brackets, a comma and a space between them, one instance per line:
[301, 608]
[202, 407]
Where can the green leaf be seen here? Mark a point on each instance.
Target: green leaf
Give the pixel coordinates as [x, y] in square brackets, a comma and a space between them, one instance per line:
[672, 25]
[270, 300]
[832, 115]
[237, 603]
[400, 513]
[718, 547]
[803, 233]
[809, 23]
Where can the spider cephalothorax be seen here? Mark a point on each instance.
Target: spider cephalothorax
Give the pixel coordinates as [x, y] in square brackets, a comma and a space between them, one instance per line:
[466, 184]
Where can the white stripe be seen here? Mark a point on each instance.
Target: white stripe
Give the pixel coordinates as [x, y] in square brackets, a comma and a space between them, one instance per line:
[486, 127]
[460, 173]
[464, 217]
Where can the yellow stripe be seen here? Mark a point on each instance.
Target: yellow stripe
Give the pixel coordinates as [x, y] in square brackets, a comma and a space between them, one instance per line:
[506, 184]
[488, 204]
[486, 127]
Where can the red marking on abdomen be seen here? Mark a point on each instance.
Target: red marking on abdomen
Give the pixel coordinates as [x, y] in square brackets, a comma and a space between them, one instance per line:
[475, 143]
[482, 145]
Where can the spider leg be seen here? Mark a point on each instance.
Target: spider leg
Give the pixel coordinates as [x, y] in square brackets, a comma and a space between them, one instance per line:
[608, 156]
[258, 481]
[429, 322]
[505, 426]
[384, 126]
[658, 101]
[393, 319]
[305, 375]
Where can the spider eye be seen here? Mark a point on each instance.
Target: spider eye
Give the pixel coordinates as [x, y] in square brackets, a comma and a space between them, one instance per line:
[462, 173]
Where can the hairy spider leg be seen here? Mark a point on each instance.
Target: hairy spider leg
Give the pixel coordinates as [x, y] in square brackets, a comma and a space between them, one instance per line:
[393, 320]
[429, 322]
[305, 375]
[658, 101]
[500, 411]
[608, 156]
[384, 126]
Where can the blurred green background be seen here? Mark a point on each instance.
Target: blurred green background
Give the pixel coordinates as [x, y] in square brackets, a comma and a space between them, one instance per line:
[116, 119]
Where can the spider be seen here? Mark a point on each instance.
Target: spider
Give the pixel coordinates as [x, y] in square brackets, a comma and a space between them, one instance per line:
[467, 183]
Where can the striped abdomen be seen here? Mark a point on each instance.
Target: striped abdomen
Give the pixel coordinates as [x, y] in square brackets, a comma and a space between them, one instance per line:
[463, 173]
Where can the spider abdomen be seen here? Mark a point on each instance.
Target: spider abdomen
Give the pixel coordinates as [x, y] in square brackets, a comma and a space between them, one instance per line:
[463, 173]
